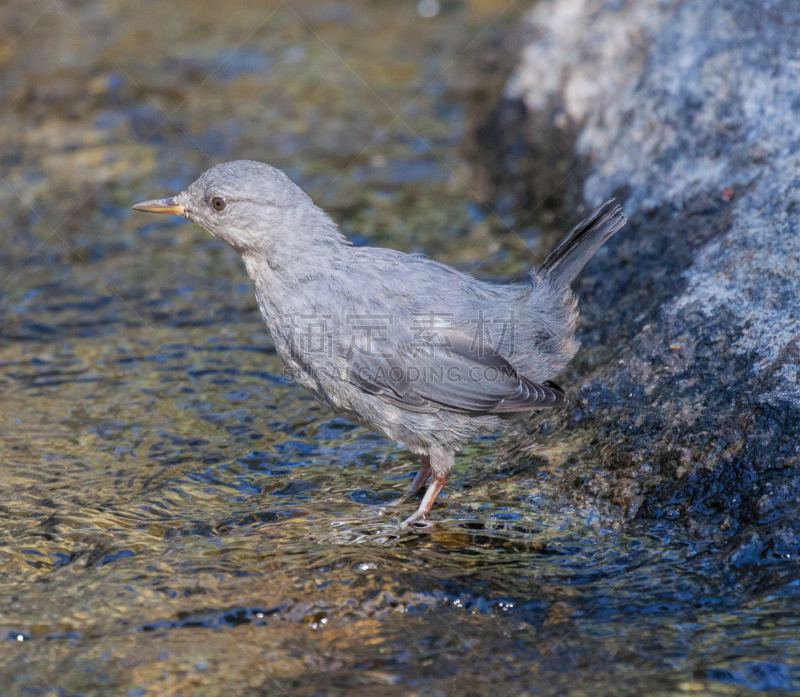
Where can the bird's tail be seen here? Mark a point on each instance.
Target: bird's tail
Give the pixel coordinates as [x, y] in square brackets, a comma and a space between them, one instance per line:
[566, 260]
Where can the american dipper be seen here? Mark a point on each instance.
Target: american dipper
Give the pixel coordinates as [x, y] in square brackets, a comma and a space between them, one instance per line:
[425, 355]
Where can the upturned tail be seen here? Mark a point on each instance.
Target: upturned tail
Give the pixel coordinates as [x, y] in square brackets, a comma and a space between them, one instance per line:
[580, 244]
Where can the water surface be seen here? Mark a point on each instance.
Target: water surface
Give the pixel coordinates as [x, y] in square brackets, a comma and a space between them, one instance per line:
[177, 518]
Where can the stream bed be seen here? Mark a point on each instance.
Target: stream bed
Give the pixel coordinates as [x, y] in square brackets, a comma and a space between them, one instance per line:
[176, 517]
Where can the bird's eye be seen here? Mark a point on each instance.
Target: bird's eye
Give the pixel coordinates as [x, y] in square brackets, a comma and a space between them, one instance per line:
[218, 203]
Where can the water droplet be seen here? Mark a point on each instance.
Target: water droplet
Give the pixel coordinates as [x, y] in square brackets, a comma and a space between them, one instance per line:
[428, 8]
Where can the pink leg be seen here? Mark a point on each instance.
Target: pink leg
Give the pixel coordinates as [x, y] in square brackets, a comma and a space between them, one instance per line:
[441, 463]
[439, 480]
[422, 476]
[418, 483]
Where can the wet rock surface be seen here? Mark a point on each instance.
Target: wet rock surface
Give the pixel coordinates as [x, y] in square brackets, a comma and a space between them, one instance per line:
[178, 519]
[688, 402]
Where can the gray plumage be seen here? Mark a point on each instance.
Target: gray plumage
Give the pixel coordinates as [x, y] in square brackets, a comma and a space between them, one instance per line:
[426, 355]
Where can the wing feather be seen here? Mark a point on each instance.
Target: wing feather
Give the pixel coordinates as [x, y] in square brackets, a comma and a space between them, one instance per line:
[452, 375]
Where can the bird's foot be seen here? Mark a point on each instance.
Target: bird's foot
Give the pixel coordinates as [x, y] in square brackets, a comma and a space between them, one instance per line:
[418, 517]
[439, 480]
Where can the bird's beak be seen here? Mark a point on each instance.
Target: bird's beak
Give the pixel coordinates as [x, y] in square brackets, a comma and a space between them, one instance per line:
[175, 205]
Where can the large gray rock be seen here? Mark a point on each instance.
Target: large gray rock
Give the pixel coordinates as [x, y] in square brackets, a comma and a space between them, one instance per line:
[688, 401]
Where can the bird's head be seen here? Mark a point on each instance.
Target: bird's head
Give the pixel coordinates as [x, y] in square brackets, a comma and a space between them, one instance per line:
[253, 207]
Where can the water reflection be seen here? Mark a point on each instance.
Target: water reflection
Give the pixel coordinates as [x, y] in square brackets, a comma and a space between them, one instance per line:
[177, 518]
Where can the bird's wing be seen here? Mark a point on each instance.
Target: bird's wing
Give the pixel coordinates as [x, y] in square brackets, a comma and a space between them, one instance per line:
[455, 374]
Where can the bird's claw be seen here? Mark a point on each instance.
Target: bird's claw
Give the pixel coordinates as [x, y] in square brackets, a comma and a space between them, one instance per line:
[418, 517]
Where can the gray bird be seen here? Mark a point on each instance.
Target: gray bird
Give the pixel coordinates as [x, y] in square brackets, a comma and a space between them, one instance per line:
[425, 355]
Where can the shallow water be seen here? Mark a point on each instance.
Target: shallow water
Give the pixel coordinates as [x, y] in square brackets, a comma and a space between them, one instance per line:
[180, 519]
